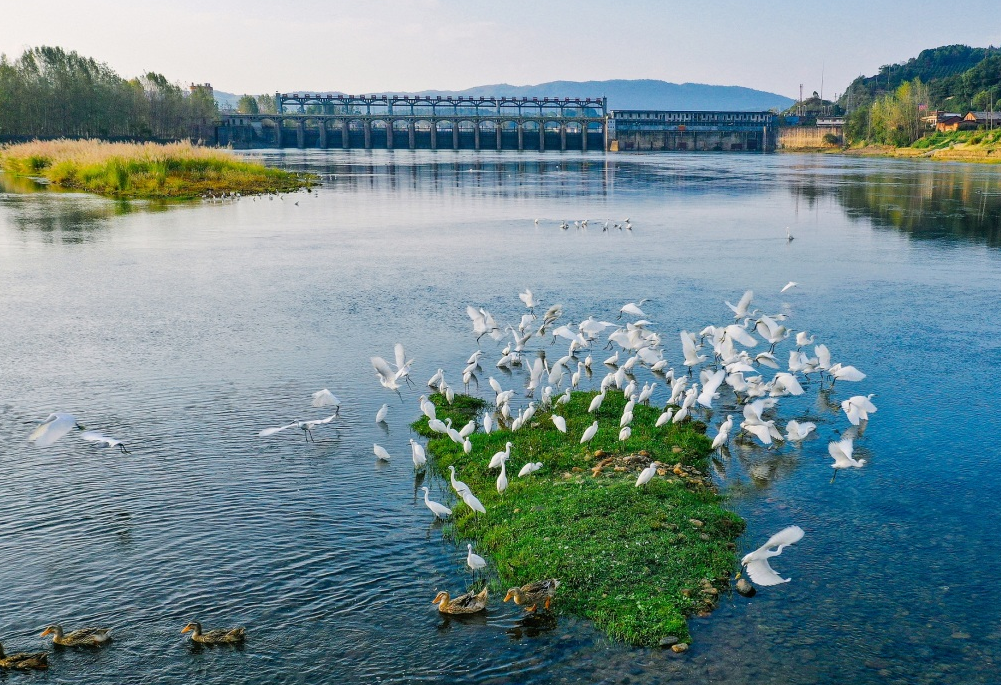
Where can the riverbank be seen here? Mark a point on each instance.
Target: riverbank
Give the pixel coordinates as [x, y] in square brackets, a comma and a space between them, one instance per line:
[636, 561]
[146, 170]
[982, 147]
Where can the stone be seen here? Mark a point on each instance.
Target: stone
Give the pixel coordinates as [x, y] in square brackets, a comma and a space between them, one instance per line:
[669, 641]
[745, 588]
[676, 449]
[695, 522]
[705, 536]
[679, 648]
[600, 454]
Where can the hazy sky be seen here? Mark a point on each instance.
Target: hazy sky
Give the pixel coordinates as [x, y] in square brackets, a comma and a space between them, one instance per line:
[371, 46]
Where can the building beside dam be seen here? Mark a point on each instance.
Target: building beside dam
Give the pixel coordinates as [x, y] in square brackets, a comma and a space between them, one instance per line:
[655, 130]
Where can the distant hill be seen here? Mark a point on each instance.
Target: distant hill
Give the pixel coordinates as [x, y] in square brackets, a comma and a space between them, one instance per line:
[955, 76]
[621, 94]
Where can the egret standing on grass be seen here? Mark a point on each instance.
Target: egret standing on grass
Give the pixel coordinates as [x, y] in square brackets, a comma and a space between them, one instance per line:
[474, 561]
[591, 431]
[647, 474]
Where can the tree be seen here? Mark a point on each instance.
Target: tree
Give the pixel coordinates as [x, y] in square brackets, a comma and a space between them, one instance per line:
[248, 105]
[266, 104]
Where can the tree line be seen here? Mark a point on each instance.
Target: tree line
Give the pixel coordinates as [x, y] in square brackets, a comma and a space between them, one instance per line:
[48, 92]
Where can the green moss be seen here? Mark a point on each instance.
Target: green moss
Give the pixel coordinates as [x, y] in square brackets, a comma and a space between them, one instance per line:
[630, 559]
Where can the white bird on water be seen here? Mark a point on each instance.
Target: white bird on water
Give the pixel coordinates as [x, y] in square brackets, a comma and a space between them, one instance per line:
[305, 426]
[756, 563]
[528, 298]
[380, 452]
[858, 408]
[797, 431]
[474, 561]
[380, 416]
[787, 286]
[633, 308]
[437, 508]
[52, 428]
[724, 432]
[841, 452]
[418, 454]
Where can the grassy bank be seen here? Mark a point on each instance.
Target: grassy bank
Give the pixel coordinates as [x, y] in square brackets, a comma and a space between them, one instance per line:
[957, 146]
[145, 170]
[636, 561]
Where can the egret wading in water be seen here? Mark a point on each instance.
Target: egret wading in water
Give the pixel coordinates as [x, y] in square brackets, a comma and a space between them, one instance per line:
[418, 454]
[474, 561]
[380, 452]
[437, 508]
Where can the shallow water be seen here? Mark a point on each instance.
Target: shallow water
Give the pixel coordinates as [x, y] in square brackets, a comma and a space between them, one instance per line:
[187, 329]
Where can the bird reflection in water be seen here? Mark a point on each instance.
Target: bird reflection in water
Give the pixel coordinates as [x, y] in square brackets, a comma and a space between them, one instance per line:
[532, 625]
[477, 619]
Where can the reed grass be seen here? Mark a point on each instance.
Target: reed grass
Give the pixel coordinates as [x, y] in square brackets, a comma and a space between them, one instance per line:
[636, 561]
[146, 170]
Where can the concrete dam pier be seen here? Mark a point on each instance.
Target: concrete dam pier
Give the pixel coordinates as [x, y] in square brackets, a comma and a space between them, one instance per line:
[415, 122]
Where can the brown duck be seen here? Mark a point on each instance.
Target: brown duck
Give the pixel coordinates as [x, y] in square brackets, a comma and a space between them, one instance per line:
[24, 660]
[533, 593]
[468, 603]
[85, 637]
[215, 637]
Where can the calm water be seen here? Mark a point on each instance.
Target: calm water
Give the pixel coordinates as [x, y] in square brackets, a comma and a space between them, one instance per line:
[186, 330]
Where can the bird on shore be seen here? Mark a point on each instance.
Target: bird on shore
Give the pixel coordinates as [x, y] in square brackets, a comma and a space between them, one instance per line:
[756, 562]
[461, 489]
[591, 431]
[529, 468]
[474, 561]
[647, 474]
[437, 508]
[724, 432]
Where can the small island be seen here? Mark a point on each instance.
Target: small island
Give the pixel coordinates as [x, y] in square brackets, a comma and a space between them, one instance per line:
[179, 170]
[635, 560]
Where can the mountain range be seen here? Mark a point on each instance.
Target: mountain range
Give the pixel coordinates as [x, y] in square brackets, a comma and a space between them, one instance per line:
[621, 94]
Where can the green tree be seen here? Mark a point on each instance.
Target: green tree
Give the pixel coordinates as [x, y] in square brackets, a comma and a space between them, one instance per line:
[248, 105]
[266, 104]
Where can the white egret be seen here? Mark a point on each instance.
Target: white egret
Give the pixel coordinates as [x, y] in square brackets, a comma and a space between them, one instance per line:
[797, 431]
[437, 508]
[858, 408]
[528, 299]
[846, 373]
[841, 452]
[529, 468]
[418, 454]
[498, 459]
[724, 432]
[756, 562]
[387, 377]
[488, 422]
[596, 402]
[473, 503]
[502, 479]
[664, 418]
[709, 388]
[474, 561]
[98, 439]
[325, 398]
[741, 308]
[468, 429]
[560, 423]
[789, 236]
[52, 428]
[467, 446]
[589, 433]
[647, 474]
[305, 426]
[802, 340]
[380, 452]
[787, 286]
[460, 488]
[633, 308]
[692, 357]
[380, 416]
[437, 425]
[625, 433]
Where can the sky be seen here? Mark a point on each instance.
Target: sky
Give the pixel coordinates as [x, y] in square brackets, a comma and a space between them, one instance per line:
[374, 46]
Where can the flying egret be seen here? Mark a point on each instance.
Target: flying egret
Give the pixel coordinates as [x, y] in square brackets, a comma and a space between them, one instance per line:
[325, 398]
[52, 428]
[789, 285]
[498, 459]
[802, 340]
[387, 377]
[647, 474]
[98, 439]
[474, 561]
[560, 423]
[380, 416]
[589, 433]
[529, 468]
[528, 299]
[797, 431]
[756, 562]
[418, 454]
[305, 426]
[437, 508]
[741, 308]
[380, 452]
[846, 373]
[633, 309]
[841, 452]
[858, 408]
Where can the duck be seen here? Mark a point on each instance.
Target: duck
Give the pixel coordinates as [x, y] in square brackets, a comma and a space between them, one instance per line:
[468, 603]
[215, 637]
[85, 637]
[533, 593]
[24, 660]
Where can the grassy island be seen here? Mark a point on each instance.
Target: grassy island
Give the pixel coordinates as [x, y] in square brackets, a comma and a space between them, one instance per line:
[636, 561]
[146, 170]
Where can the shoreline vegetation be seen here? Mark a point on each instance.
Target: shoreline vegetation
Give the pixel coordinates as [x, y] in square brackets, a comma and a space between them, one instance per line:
[982, 147]
[637, 561]
[146, 170]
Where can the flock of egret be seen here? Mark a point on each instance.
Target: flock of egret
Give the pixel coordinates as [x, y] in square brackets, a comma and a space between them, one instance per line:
[582, 224]
[716, 362]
